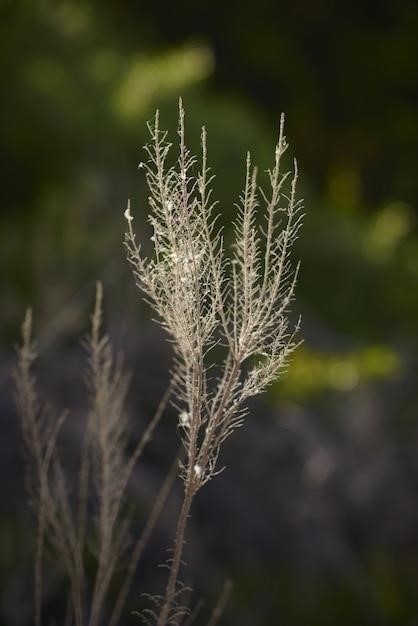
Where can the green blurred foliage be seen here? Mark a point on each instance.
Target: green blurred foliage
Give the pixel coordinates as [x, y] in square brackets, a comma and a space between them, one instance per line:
[74, 111]
[381, 591]
[345, 73]
[80, 80]
[312, 371]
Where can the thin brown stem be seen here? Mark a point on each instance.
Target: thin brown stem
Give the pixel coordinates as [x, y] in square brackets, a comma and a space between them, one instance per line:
[38, 561]
[142, 542]
[178, 551]
[146, 436]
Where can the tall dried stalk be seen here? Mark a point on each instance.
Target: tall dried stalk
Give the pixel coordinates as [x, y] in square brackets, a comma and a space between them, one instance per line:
[205, 297]
[45, 481]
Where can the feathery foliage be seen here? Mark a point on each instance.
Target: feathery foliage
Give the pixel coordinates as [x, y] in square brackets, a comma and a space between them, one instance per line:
[205, 297]
[98, 517]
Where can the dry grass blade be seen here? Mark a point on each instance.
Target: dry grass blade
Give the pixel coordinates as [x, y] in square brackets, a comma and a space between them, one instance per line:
[221, 604]
[105, 470]
[142, 541]
[39, 435]
[110, 467]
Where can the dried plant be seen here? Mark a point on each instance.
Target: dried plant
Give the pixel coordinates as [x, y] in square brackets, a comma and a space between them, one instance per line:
[206, 298]
[40, 431]
[98, 517]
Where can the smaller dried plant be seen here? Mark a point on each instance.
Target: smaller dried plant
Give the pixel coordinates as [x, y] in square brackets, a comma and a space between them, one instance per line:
[205, 298]
[97, 519]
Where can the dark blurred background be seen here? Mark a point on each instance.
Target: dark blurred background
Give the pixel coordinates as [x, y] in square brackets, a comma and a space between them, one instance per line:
[316, 516]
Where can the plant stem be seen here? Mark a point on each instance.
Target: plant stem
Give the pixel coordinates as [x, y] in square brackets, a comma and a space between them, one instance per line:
[178, 551]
